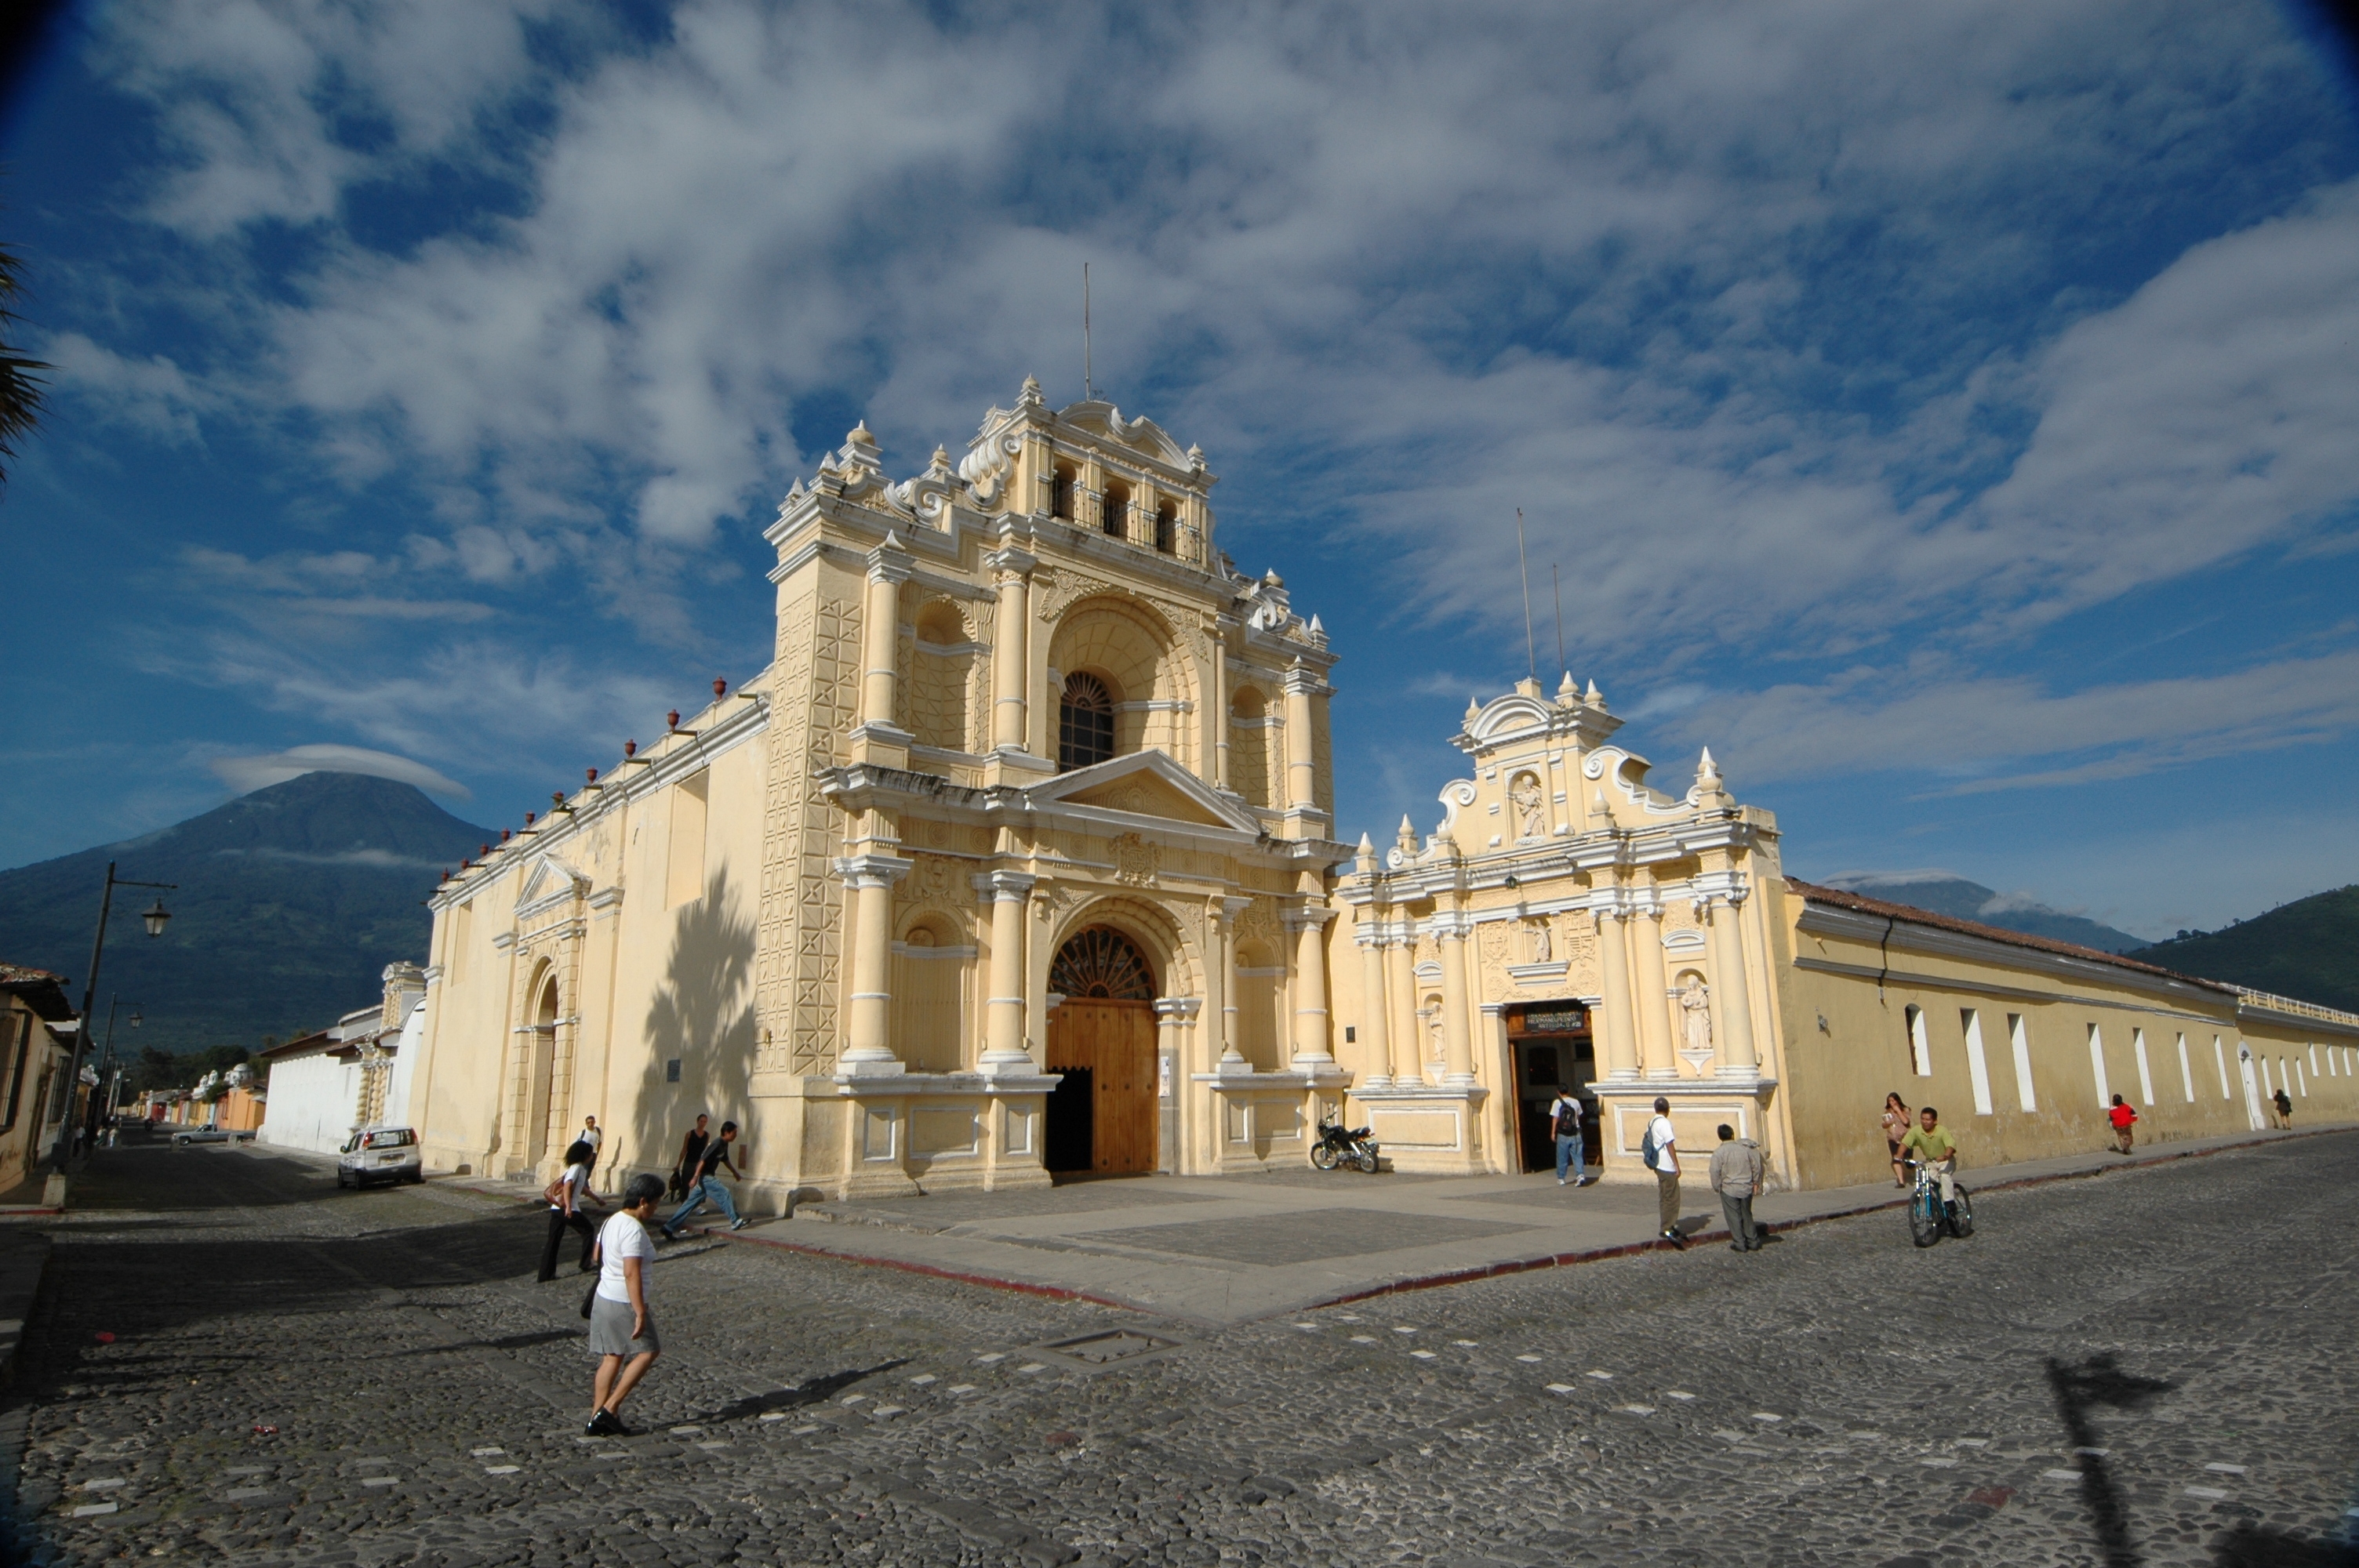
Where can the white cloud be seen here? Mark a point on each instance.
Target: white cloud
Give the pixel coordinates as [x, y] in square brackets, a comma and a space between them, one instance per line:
[152, 395]
[1992, 732]
[246, 775]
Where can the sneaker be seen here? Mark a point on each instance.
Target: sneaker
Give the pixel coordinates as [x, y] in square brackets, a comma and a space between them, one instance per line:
[596, 1426]
[1675, 1238]
[740, 1223]
[1559, 1181]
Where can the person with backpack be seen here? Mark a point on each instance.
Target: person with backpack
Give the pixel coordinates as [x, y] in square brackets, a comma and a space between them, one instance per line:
[1660, 1151]
[564, 1198]
[2122, 1116]
[1564, 1121]
[704, 1183]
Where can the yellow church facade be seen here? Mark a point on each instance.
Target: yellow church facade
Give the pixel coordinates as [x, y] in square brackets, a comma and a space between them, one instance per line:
[1018, 859]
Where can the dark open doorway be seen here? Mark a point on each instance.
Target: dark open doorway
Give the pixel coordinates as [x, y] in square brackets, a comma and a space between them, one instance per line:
[1553, 1050]
[1071, 1139]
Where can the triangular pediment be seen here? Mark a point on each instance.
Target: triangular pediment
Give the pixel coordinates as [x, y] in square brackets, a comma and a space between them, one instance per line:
[547, 876]
[1148, 783]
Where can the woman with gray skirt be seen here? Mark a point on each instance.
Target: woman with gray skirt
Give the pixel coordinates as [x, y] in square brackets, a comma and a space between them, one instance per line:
[622, 1334]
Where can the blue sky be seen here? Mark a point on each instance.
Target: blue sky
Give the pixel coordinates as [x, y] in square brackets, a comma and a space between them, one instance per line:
[1944, 412]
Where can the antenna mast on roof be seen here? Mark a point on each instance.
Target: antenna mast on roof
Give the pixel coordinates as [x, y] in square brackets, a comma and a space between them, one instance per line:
[1555, 583]
[1531, 650]
[1087, 390]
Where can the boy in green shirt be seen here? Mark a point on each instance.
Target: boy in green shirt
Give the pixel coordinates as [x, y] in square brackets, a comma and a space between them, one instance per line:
[1930, 1142]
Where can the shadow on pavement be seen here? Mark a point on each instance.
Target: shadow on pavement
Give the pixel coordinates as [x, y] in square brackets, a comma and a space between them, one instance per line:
[810, 1391]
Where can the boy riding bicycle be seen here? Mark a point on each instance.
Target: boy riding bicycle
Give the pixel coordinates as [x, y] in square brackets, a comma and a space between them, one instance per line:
[1930, 1144]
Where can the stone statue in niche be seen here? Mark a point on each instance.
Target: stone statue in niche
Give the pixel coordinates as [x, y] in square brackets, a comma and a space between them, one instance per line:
[1543, 945]
[1695, 1017]
[1531, 807]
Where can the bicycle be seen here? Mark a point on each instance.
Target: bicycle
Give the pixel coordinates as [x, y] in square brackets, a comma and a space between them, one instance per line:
[1929, 1216]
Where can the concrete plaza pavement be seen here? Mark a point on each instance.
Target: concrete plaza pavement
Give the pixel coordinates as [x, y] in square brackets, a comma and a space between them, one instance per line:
[1234, 1249]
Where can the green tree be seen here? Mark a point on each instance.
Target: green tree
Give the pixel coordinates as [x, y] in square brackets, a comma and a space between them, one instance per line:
[20, 389]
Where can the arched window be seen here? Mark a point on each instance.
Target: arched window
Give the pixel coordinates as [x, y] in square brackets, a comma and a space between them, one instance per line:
[1060, 491]
[1166, 528]
[1102, 962]
[1085, 723]
[1114, 512]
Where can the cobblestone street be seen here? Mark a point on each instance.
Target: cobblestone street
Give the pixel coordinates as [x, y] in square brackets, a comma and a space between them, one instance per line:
[2152, 1367]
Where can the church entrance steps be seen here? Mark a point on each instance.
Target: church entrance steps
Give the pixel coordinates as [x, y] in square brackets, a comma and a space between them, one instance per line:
[1236, 1249]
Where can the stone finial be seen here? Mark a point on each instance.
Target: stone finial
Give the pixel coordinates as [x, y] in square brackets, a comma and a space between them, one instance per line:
[1473, 709]
[1527, 686]
[1568, 690]
[942, 461]
[1316, 629]
[1597, 804]
[1594, 697]
[1408, 839]
[860, 436]
[1030, 391]
[1710, 789]
[1367, 855]
[1196, 457]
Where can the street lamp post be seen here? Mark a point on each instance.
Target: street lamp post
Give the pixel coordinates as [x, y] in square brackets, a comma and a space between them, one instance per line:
[154, 919]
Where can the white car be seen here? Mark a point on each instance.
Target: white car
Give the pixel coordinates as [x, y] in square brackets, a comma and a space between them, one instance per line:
[379, 1154]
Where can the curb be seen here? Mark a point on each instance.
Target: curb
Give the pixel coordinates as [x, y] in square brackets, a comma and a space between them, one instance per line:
[1481, 1271]
[1599, 1254]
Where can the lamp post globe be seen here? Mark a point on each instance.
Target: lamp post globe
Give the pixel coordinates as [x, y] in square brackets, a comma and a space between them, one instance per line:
[156, 918]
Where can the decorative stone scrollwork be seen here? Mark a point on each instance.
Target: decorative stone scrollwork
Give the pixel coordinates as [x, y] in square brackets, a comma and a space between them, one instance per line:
[1135, 859]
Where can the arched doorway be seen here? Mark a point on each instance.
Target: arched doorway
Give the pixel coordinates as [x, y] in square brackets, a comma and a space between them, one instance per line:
[1102, 1039]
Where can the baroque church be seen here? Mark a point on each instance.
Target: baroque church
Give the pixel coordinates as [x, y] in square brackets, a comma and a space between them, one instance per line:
[1019, 859]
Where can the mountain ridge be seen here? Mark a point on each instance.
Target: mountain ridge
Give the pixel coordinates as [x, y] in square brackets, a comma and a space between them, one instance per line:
[2308, 949]
[1946, 892]
[292, 900]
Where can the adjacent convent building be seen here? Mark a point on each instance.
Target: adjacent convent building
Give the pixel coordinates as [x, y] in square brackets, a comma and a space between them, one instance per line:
[1019, 858]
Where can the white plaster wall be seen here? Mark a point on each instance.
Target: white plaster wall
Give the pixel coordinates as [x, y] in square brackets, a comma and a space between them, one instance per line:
[405, 1065]
[312, 1099]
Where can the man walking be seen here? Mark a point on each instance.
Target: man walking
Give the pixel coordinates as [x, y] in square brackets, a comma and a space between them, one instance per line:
[1737, 1169]
[1564, 1120]
[704, 1183]
[564, 1195]
[2285, 1108]
[1661, 1153]
[597, 1141]
[2122, 1116]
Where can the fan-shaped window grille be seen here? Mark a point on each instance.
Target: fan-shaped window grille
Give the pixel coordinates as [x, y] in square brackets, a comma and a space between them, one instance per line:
[1102, 962]
[1085, 723]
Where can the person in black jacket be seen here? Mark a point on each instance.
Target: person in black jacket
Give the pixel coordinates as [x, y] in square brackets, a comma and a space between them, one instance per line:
[705, 1182]
[692, 1150]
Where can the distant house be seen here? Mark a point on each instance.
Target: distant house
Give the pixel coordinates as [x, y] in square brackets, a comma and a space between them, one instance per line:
[322, 1085]
[36, 1036]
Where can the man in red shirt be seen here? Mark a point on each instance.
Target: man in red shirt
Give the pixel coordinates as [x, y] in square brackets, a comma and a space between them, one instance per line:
[2121, 1116]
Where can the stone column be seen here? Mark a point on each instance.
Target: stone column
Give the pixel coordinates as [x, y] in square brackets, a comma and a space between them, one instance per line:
[1311, 1048]
[1652, 999]
[1009, 666]
[1619, 1048]
[1010, 893]
[868, 881]
[1301, 792]
[1737, 1058]
[880, 631]
[1375, 1008]
[1220, 712]
[1451, 932]
[1224, 920]
[1174, 1017]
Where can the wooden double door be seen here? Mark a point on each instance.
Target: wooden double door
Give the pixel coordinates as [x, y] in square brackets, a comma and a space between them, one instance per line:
[1101, 1118]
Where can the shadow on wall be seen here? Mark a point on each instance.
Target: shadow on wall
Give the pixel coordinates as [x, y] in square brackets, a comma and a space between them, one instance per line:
[702, 1019]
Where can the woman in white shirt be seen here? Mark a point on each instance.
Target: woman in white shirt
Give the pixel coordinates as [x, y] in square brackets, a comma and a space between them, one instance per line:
[622, 1334]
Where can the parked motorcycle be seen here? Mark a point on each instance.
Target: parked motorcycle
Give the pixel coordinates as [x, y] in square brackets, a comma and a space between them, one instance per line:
[1340, 1145]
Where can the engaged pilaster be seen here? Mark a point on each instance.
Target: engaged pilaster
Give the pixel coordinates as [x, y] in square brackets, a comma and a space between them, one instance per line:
[889, 566]
[1008, 654]
[868, 887]
[1620, 1044]
[1002, 1030]
[1451, 932]
[1309, 925]
[1732, 995]
[1654, 998]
